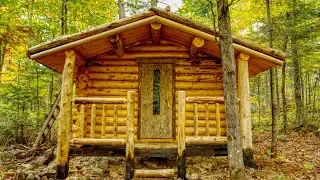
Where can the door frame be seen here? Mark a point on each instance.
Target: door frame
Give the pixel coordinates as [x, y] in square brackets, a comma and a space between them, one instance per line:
[172, 61]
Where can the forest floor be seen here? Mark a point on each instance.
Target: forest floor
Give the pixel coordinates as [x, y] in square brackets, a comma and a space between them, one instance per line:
[298, 158]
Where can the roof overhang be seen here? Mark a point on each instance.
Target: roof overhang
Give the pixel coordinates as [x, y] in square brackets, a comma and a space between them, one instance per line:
[133, 30]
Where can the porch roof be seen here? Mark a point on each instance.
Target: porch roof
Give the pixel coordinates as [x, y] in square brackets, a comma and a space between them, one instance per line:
[135, 31]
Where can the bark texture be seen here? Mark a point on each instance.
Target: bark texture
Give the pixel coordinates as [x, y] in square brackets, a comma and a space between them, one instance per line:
[296, 69]
[274, 111]
[235, 154]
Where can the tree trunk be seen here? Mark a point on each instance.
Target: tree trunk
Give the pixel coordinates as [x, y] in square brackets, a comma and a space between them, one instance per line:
[122, 12]
[259, 98]
[64, 12]
[274, 111]
[2, 54]
[283, 90]
[296, 69]
[235, 155]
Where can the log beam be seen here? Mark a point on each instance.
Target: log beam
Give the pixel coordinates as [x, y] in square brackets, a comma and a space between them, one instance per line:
[117, 45]
[64, 132]
[96, 100]
[244, 109]
[181, 135]
[197, 43]
[130, 137]
[159, 173]
[155, 33]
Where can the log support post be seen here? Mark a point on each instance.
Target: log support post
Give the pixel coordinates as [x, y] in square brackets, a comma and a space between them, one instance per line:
[156, 33]
[117, 45]
[244, 109]
[130, 140]
[181, 135]
[197, 43]
[64, 132]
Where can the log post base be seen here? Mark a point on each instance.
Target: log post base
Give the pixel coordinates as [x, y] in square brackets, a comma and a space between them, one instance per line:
[129, 169]
[182, 170]
[62, 171]
[248, 157]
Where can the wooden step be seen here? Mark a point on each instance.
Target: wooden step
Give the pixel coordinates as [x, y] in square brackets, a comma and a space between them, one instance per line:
[206, 140]
[160, 145]
[92, 141]
[154, 173]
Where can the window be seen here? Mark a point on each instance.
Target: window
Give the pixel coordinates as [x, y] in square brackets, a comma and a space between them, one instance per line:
[156, 92]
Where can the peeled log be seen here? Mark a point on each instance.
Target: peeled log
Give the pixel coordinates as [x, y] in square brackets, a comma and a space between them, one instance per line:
[159, 173]
[198, 86]
[98, 100]
[206, 140]
[201, 100]
[156, 33]
[197, 43]
[117, 45]
[91, 141]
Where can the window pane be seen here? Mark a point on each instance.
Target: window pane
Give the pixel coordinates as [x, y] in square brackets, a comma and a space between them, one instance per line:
[156, 92]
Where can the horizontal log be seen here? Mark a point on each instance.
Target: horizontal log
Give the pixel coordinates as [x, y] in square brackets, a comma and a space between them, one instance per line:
[91, 141]
[109, 129]
[121, 113]
[122, 122]
[98, 100]
[110, 106]
[155, 48]
[206, 140]
[114, 69]
[201, 108]
[122, 130]
[156, 60]
[109, 92]
[201, 123]
[203, 99]
[159, 145]
[198, 86]
[135, 55]
[159, 173]
[199, 62]
[198, 70]
[203, 92]
[113, 84]
[113, 76]
[112, 62]
[109, 121]
[199, 78]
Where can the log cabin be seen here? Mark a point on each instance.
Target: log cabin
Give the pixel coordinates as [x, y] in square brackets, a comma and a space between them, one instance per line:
[149, 85]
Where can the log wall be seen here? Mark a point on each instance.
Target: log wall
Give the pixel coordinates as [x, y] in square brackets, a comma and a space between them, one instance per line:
[113, 78]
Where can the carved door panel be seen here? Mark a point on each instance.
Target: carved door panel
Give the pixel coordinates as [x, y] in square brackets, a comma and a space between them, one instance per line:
[156, 101]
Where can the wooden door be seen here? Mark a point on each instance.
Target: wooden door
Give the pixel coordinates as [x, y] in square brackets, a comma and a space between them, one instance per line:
[156, 101]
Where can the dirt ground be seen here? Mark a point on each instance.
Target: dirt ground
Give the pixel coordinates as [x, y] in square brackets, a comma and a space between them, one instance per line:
[298, 158]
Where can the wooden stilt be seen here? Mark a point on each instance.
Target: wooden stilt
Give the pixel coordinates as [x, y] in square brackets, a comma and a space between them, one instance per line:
[195, 118]
[115, 121]
[218, 119]
[64, 132]
[181, 135]
[93, 120]
[104, 119]
[244, 109]
[207, 119]
[130, 140]
[82, 121]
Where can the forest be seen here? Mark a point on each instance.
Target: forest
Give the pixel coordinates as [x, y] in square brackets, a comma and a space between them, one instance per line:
[285, 101]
